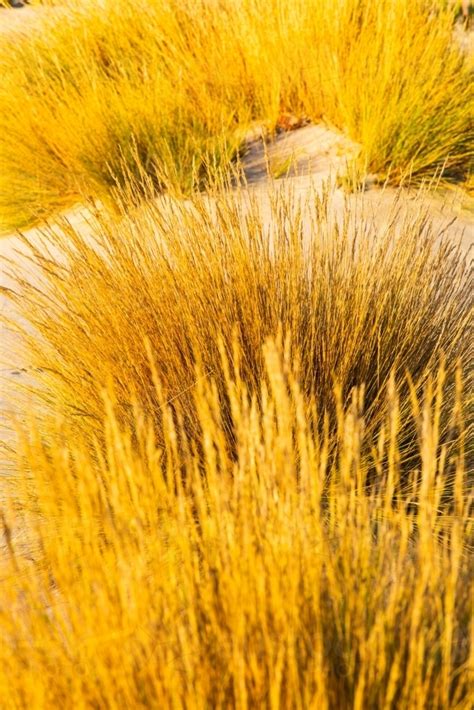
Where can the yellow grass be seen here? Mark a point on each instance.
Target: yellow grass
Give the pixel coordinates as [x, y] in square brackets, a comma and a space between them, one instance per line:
[243, 478]
[5, 3]
[360, 301]
[108, 91]
[153, 570]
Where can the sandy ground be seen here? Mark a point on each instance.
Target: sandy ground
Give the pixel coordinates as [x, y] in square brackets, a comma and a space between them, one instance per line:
[298, 161]
[20, 20]
[26, 19]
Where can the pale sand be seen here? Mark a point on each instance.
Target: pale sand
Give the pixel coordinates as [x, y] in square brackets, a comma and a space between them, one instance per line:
[25, 19]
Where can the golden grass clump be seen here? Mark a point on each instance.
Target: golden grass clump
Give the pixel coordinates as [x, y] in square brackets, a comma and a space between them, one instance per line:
[174, 281]
[149, 569]
[242, 471]
[242, 479]
[106, 92]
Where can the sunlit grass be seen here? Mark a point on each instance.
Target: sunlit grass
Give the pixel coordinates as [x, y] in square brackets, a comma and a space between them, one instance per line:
[359, 301]
[242, 477]
[150, 569]
[242, 467]
[106, 92]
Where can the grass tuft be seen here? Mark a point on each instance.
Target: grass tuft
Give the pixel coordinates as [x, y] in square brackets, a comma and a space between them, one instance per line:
[153, 570]
[105, 92]
[359, 304]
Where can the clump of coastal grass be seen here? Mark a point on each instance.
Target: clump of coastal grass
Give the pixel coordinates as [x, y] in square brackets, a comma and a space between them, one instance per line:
[105, 91]
[242, 477]
[146, 568]
[167, 286]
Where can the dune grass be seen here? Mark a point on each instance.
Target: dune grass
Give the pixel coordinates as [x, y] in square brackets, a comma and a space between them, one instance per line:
[360, 302]
[154, 570]
[5, 3]
[107, 92]
[243, 476]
